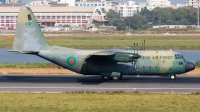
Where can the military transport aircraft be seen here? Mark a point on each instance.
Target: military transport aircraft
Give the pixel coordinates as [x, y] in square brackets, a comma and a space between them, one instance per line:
[109, 64]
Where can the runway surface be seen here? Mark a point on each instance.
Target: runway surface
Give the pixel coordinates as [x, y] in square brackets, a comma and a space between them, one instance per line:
[61, 83]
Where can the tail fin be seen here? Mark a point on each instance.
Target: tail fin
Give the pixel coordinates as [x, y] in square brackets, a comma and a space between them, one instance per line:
[28, 35]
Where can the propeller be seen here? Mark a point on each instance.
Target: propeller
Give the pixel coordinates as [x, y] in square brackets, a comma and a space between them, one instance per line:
[135, 55]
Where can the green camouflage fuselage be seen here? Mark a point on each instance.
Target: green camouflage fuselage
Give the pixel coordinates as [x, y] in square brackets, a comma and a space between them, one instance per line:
[150, 63]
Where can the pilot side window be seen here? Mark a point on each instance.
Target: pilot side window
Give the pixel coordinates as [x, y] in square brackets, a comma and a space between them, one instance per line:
[29, 17]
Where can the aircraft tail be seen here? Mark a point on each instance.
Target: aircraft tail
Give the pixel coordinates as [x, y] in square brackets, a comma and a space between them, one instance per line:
[28, 34]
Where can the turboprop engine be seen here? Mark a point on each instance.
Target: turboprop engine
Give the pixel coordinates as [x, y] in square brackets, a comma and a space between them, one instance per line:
[126, 57]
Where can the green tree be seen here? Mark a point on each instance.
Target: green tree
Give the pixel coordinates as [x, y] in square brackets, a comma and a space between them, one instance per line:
[111, 16]
[103, 10]
[121, 26]
[137, 22]
[169, 16]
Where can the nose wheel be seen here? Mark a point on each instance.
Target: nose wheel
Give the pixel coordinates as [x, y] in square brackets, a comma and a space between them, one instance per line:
[173, 77]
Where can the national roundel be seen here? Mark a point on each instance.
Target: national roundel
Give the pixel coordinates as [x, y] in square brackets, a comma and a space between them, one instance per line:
[71, 61]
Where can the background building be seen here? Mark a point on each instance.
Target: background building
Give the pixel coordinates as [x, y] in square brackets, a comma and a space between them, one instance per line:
[128, 9]
[194, 3]
[181, 5]
[49, 15]
[40, 2]
[151, 4]
[69, 2]
[49, 2]
[10, 1]
[104, 4]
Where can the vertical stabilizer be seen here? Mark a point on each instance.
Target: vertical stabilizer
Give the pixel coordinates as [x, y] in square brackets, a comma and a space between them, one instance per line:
[28, 34]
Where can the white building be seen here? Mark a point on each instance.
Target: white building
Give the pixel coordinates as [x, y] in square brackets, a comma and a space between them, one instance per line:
[194, 3]
[128, 9]
[50, 16]
[104, 4]
[48, 2]
[69, 2]
[151, 4]
[44, 2]
[181, 5]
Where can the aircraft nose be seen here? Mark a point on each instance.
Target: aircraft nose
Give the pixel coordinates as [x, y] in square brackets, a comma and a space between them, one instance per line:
[189, 66]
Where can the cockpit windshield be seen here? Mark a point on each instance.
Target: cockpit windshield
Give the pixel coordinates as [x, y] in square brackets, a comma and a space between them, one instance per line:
[179, 56]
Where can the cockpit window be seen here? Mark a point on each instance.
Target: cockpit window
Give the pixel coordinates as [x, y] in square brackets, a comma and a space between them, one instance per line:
[183, 59]
[179, 56]
[29, 17]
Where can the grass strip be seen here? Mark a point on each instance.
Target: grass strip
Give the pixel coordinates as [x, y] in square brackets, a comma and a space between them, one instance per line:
[99, 102]
[103, 42]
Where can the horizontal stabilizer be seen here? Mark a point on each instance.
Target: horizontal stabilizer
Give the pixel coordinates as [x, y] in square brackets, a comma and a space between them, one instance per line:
[24, 52]
[13, 51]
[29, 52]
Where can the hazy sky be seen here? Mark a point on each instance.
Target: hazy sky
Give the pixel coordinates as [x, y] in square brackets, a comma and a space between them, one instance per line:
[172, 1]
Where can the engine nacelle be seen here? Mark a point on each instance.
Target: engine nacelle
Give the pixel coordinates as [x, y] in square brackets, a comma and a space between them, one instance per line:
[126, 57]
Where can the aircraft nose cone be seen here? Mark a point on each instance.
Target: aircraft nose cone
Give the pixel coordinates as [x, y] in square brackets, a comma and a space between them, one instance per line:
[189, 66]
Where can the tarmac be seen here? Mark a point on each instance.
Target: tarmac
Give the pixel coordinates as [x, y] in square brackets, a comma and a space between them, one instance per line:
[61, 83]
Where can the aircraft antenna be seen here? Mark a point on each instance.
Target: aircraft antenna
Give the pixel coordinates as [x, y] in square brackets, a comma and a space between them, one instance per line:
[137, 47]
[142, 47]
[134, 47]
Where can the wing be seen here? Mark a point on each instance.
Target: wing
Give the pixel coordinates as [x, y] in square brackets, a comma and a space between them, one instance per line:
[113, 55]
[111, 52]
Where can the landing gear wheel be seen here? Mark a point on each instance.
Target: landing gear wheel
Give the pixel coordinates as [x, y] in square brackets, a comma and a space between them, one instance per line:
[117, 78]
[173, 77]
[105, 78]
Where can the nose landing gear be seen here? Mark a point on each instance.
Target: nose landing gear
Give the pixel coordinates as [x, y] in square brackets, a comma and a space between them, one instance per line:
[173, 77]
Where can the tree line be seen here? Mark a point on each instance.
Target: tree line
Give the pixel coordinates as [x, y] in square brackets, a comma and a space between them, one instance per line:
[159, 16]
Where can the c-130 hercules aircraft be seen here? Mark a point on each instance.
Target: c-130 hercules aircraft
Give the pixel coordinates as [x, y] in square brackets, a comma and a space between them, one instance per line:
[109, 64]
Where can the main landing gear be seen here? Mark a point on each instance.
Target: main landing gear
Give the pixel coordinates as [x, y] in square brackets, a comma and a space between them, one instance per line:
[111, 78]
[172, 77]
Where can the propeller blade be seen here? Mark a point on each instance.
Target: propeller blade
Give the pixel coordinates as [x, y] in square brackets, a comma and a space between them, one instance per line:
[136, 56]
